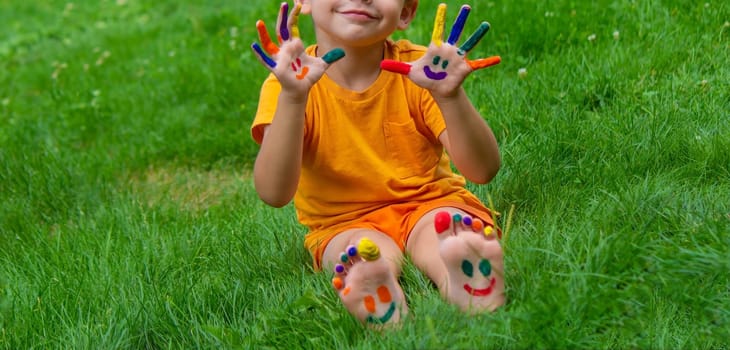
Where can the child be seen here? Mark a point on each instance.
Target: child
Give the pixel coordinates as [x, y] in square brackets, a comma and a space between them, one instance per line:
[366, 153]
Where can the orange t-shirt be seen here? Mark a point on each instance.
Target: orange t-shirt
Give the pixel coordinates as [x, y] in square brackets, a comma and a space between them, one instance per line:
[364, 150]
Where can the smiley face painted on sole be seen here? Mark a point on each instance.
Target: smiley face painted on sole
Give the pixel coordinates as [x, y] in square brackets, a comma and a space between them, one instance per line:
[386, 303]
[485, 268]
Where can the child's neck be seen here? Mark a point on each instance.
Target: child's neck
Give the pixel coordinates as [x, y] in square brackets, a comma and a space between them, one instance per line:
[360, 67]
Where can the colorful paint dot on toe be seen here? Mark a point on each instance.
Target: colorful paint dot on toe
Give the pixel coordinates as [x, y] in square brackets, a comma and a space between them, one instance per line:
[368, 250]
[477, 225]
[339, 268]
[352, 250]
[344, 257]
[442, 221]
[488, 230]
[457, 217]
[337, 283]
[467, 220]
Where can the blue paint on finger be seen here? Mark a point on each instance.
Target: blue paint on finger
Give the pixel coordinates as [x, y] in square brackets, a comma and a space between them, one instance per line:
[458, 26]
[260, 52]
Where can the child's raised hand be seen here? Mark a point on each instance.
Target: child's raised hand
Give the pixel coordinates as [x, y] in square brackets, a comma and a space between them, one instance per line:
[295, 70]
[443, 67]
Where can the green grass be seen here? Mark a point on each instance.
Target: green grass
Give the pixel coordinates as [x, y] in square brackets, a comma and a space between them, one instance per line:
[128, 218]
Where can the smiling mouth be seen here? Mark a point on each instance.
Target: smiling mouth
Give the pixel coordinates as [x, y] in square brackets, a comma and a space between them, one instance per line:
[384, 318]
[357, 13]
[303, 74]
[480, 292]
[433, 75]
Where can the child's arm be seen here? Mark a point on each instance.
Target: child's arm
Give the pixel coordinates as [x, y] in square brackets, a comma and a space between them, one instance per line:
[442, 70]
[468, 138]
[278, 163]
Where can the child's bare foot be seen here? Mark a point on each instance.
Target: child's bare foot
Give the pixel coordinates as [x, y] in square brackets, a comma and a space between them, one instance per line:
[474, 261]
[367, 286]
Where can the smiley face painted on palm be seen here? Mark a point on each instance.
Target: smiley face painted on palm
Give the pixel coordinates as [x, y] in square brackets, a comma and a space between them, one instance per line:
[288, 30]
[435, 67]
[301, 71]
[440, 69]
[485, 268]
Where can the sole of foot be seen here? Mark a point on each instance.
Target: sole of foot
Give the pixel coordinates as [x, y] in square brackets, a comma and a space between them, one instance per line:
[367, 287]
[474, 260]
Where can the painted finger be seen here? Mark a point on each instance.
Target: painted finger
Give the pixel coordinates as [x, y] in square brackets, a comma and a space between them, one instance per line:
[475, 38]
[265, 39]
[333, 55]
[282, 22]
[294, 19]
[396, 66]
[458, 26]
[438, 25]
[262, 55]
[484, 62]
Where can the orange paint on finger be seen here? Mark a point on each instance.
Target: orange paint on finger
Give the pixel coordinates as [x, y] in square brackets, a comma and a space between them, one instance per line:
[484, 63]
[266, 42]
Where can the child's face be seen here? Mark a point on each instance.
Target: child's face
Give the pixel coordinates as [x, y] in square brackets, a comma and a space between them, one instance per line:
[359, 22]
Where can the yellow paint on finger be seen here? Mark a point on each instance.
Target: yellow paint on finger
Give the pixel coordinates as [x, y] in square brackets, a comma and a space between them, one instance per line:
[438, 25]
[294, 20]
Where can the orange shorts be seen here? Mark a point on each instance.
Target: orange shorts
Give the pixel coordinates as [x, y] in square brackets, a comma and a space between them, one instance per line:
[396, 220]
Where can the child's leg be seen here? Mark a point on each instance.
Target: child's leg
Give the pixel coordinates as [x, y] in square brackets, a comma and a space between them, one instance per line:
[452, 249]
[367, 265]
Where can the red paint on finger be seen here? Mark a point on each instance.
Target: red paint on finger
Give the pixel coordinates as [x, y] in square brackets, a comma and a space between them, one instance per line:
[396, 66]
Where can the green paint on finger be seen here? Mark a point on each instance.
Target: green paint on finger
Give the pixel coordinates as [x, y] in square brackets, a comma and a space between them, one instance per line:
[333, 55]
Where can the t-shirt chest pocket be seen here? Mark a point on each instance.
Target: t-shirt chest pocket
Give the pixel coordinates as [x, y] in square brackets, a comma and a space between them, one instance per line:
[410, 152]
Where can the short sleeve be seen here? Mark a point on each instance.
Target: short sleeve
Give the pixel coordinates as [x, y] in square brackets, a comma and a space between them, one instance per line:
[268, 98]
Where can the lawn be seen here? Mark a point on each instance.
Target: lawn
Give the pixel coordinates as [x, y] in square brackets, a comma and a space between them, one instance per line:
[128, 218]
